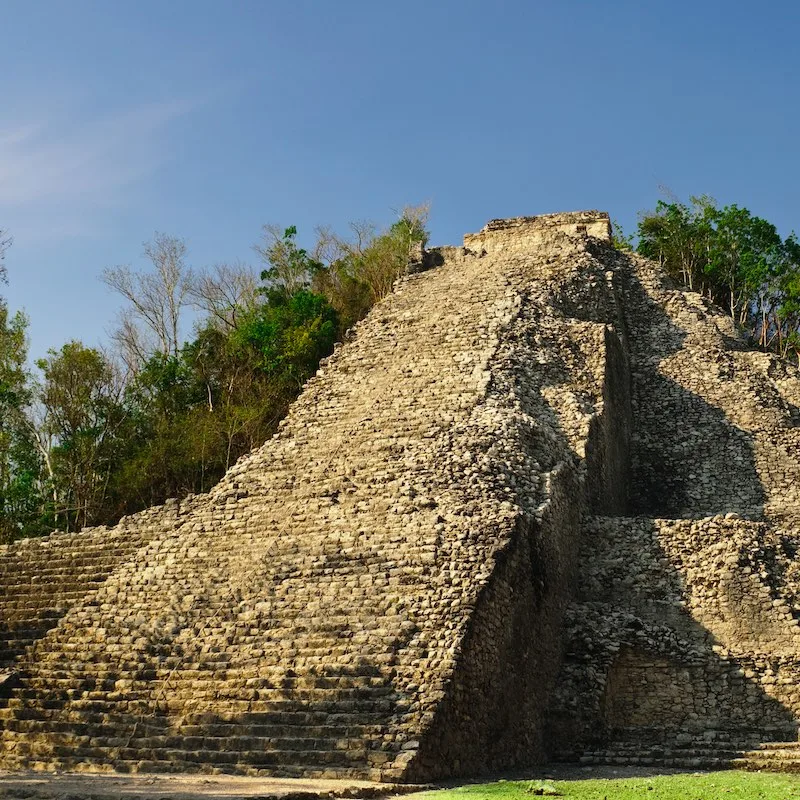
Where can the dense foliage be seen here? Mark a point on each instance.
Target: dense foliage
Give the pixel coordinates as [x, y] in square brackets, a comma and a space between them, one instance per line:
[736, 259]
[96, 435]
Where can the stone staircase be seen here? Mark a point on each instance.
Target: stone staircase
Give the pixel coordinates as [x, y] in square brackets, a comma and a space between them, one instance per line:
[41, 579]
[324, 716]
[767, 756]
[359, 596]
[707, 750]
[313, 731]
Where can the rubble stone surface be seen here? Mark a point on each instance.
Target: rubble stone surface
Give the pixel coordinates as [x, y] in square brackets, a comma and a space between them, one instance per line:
[682, 644]
[542, 503]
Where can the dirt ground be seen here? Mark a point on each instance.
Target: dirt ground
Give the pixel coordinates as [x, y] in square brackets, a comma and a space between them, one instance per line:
[141, 786]
[73, 786]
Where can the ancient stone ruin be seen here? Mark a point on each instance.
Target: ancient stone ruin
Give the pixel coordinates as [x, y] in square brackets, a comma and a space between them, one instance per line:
[543, 504]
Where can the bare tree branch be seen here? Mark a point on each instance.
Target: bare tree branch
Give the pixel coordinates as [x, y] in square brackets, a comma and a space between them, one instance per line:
[224, 292]
[5, 243]
[152, 323]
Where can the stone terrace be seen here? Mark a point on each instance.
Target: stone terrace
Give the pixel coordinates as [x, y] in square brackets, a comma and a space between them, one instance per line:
[683, 642]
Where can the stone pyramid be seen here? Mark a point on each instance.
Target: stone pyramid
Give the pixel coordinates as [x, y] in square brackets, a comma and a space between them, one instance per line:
[542, 504]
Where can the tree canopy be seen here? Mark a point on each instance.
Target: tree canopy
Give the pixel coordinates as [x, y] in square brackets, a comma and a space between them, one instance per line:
[736, 259]
[101, 434]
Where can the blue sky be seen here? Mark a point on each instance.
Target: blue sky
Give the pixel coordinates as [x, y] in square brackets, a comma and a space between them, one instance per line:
[207, 119]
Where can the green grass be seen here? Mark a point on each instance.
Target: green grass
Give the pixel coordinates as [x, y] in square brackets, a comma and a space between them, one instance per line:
[728, 785]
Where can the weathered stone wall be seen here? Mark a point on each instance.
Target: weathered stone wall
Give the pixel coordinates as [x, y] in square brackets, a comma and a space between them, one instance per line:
[685, 625]
[520, 235]
[682, 629]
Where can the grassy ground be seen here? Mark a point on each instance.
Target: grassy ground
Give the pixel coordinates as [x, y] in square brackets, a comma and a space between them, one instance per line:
[728, 785]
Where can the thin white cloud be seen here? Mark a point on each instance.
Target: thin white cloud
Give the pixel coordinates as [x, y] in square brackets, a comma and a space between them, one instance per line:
[82, 162]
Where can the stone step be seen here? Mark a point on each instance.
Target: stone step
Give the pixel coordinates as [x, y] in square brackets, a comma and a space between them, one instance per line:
[779, 746]
[778, 756]
[152, 669]
[784, 753]
[172, 733]
[32, 622]
[720, 760]
[263, 759]
[122, 746]
[248, 688]
[19, 643]
[250, 666]
[180, 759]
[38, 721]
[34, 574]
[130, 689]
[147, 766]
[232, 679]
[103, 671]
[753, 764]
[240, 709]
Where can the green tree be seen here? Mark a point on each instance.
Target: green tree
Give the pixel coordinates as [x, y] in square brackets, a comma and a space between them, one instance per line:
[82, 415]
[243, 404]
[288, 335]
[744, 256]
[676, 235]
[621, 240]
[166, 449]
[736, 259]
[20, 467]
[361, 270]
[289, 268]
